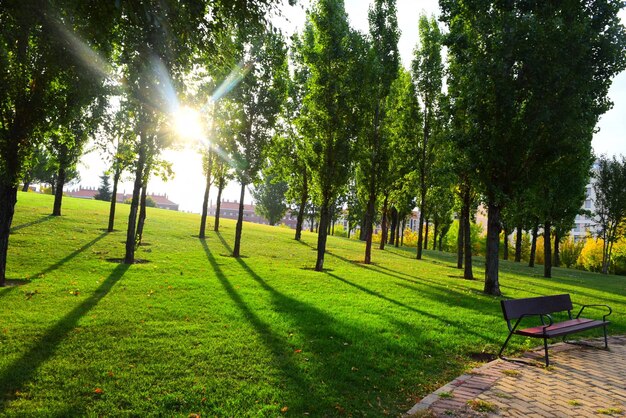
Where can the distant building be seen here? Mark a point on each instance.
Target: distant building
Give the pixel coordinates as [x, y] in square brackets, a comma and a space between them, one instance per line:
[584, 225]
[230, 210]
[161, 200]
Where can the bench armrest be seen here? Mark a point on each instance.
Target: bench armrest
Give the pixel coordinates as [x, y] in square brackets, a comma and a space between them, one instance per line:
[595, 306]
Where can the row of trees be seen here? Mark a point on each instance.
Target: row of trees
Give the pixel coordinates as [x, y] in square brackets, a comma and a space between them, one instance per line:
[333, 114]
[61, 61]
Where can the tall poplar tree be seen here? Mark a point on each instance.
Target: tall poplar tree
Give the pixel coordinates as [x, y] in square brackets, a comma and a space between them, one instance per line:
[428, 74]
[328, 119]
[255, 104]
[383, 64]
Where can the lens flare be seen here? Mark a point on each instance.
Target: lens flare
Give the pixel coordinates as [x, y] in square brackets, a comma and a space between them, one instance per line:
[188, 124]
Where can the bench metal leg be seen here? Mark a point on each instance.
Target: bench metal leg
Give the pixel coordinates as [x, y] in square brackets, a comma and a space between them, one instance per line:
[606, 341]
[545, 346]
[504, 345]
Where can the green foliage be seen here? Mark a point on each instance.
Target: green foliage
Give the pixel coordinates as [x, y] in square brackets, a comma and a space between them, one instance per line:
[104, 191]
[269, 195]
[256, 101]
[532, 106]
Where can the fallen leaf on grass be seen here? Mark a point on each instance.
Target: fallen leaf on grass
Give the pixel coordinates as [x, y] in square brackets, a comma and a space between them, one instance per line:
[98, 391]
[298, 351]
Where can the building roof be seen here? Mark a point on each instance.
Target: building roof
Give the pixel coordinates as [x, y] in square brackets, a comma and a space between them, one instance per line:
[90, 193]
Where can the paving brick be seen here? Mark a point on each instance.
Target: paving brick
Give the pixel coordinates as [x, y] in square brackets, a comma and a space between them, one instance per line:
[592, 377]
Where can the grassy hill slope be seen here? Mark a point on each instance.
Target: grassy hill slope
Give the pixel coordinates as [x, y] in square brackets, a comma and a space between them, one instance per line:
[193, 330]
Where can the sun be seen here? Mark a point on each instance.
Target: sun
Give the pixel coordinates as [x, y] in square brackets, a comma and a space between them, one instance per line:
[188, 123]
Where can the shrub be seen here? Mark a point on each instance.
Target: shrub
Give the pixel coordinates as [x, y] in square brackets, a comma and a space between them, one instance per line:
[410, 238]
[570, 251]
[590, 257]
[619, 257]
[340, 231]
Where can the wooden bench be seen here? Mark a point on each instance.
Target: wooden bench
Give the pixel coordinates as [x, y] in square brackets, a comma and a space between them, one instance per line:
[542, 307]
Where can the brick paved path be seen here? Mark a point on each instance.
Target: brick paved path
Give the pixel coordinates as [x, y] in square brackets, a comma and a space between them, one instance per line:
[580, 382]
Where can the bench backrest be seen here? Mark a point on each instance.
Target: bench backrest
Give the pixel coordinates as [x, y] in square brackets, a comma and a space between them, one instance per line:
[514, 308]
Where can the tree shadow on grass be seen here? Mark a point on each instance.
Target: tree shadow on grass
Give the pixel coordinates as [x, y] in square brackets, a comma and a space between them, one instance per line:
[23, 369]
[327, 384]
[5, 291]
[70, 256]
[274, 342]
[31, 223]
[428, 286]
[440, 318]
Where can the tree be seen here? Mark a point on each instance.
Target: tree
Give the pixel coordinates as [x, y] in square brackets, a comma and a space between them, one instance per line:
[610, 202]
[402, 128]
[255, 104]
[288, 150]
[269, 195]
[329, 111]
[66, 146]
[517, 99]
[115, 143]
[383, 64]
[37, 50]
[104, 191]
[428, 74]
[208, 160]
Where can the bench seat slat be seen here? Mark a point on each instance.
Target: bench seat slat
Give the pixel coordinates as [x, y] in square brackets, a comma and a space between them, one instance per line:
[562, 328]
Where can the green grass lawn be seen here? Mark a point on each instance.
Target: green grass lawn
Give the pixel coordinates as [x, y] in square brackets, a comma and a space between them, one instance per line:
[195, 331]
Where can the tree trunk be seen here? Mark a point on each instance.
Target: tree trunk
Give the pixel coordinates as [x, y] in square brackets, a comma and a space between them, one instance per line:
[129, 257]
[426, 234]
[435, 233]
[533, 245]
[441, 243]
[547, 250]
[205, 202]
[8, 199]
[116, 179]
[383, 226]
[506, 244]
[398, 229]
[459, 239]
[369, 222]
[321, 238]
[467, 236]
[237, 246]
[304, 198]
[394, 226]
[142, 214]
[58, 191]
[26, 185]
[557, 255]
[492, 286]
[420, 232]
[218, 203]
[518, 244]
[403, 229]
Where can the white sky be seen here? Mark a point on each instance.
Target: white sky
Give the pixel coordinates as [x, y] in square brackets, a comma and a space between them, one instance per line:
[187, 188]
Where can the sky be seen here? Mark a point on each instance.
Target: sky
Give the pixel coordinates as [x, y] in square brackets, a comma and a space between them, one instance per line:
[187, 187]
